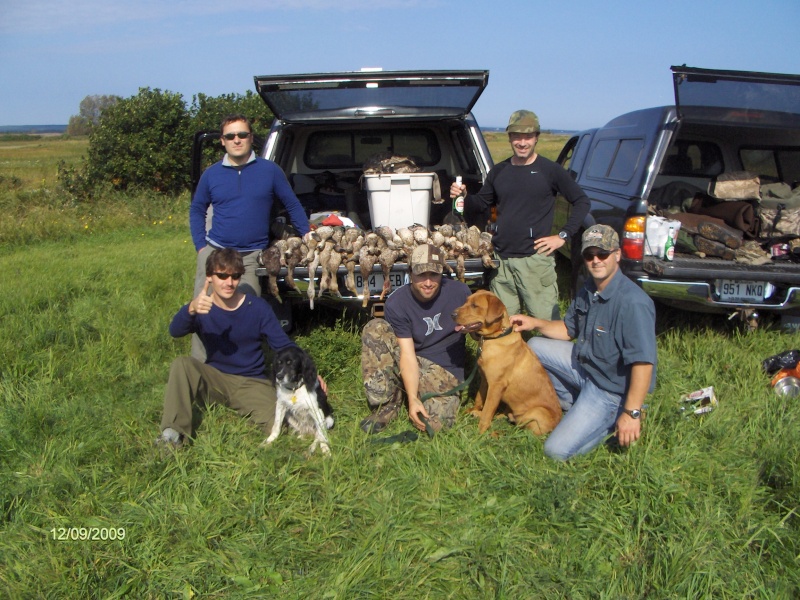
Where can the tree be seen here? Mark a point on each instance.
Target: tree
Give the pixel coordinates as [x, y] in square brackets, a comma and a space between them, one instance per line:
[90, 110]
[207, 111]
[143, 141]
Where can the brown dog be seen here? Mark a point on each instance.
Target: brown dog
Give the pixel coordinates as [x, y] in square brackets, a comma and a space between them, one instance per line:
[510, 370]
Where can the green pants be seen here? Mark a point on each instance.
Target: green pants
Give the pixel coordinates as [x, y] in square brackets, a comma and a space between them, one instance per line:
[193, 382]
[528, 283]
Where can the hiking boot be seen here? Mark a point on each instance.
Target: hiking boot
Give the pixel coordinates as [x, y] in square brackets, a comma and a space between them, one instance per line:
[169, 439]
[382, 415]
[712, 248]
[751, 253]
[720, 233]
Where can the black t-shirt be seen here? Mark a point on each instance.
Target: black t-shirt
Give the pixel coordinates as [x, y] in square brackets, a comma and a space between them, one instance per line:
[430, 324]
[525, 198]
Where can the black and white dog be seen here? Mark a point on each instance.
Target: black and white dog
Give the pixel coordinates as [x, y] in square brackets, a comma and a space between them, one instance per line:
[302, 403]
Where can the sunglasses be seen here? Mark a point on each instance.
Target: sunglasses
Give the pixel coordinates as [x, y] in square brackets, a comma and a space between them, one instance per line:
[242, 135]
[224, 276]
[589, 255]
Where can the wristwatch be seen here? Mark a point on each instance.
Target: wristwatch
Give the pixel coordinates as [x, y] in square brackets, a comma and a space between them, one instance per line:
[634, 414]
[563, 235]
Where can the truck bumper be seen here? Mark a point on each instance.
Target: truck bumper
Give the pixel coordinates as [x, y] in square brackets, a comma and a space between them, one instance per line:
[693, 284]
[703, 296]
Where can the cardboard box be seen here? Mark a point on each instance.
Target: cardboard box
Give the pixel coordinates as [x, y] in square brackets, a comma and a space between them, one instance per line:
[399, 199]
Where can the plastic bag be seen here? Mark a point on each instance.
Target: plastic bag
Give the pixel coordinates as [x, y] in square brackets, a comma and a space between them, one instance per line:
[784, 360]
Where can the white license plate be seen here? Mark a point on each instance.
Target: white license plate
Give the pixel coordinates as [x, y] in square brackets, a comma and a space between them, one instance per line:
[743, 291]
[375, 281]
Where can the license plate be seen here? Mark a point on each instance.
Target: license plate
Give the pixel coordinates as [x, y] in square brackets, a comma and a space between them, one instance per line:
[375, 281]
[743, 291]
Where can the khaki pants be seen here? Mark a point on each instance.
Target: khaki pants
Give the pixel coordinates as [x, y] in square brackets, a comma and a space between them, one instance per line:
[528, 283]
[191, 381]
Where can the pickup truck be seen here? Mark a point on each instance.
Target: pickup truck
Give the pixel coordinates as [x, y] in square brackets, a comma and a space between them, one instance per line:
[666, 161]
[329, 126]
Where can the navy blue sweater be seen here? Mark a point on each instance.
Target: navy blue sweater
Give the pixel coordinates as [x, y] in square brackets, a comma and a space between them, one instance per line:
[233, 337]
[242, 199]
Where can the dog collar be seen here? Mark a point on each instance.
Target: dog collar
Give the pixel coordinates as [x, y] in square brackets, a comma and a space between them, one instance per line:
[499, 335]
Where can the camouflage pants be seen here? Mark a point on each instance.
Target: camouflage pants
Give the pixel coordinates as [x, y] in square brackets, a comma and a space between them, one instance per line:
[380, 359]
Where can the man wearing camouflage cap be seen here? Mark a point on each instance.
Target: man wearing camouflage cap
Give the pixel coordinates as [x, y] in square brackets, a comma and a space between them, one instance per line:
[523, 189]
[416, 348]
[603, 378]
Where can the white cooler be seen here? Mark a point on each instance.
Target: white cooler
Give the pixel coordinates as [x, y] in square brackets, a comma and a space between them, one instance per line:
[399, 199]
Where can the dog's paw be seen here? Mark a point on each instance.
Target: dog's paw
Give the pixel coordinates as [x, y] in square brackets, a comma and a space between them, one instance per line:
[267, 441]
[323, 446]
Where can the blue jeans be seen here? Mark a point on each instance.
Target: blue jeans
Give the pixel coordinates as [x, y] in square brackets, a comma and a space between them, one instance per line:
[590, 412]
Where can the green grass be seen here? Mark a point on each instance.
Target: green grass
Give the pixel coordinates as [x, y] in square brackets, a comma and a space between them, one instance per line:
[701, 507]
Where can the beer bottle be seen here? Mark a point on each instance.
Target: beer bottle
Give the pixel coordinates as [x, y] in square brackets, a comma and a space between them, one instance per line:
[669, 245]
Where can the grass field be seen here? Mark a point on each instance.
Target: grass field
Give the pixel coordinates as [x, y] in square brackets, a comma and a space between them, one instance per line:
[700, 507]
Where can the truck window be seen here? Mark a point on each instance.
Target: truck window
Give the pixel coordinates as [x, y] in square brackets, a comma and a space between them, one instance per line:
[772, 164]
[692, 159]
[351, 149]
[615, 159]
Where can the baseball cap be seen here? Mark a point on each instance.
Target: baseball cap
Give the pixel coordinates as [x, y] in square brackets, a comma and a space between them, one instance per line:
[523, 121]
[427, 258]
[600, 236]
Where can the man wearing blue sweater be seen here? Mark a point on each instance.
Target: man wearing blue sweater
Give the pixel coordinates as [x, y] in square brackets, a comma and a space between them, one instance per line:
[231, 326]
[232, 204]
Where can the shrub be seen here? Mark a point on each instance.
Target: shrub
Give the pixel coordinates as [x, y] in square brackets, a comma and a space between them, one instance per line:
[142, 142]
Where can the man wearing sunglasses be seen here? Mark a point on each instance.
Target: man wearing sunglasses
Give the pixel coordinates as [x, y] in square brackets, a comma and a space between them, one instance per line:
[231, 326]
[232, 205]
[603, 378]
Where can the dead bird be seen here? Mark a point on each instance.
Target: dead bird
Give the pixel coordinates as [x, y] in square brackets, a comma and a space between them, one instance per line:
[293, 255]
[271, 258]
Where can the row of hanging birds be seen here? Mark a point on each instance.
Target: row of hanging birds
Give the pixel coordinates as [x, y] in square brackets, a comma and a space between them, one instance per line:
[329, 247]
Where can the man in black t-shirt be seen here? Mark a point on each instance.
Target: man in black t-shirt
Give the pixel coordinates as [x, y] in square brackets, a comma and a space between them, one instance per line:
[523, 189]
[416, 348]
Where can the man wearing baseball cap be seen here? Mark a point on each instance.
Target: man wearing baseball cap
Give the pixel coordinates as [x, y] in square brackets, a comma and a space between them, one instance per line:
[603, 378]
[416, 349]
[523, 189]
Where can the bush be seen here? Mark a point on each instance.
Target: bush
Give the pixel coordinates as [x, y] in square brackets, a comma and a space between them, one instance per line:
[145, 141]
[207, 112]
[142, 142]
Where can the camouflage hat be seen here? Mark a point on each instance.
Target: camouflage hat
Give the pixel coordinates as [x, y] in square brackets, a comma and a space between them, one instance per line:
[523, 121]
[427, 258]
[600, 236]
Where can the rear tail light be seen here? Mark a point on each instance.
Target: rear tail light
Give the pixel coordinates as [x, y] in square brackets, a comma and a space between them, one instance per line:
[633, 238]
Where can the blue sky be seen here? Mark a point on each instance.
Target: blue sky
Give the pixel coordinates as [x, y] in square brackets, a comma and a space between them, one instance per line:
[575, 63]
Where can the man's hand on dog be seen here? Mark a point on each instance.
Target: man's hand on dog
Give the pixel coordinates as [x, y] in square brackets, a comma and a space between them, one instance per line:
[203, 303]
[416, 408]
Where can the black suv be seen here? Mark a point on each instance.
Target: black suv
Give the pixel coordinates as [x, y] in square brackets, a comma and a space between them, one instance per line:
[649, 163]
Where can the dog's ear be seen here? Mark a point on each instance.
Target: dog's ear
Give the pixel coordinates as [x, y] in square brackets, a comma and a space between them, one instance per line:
[309, 372]
[495, 309]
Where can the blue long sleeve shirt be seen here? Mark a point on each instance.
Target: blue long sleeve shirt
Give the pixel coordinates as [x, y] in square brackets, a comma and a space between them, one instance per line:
[232, 338]
[242, 197]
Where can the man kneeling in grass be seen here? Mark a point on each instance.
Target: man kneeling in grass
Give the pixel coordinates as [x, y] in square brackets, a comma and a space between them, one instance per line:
[602, 378]
[231, 326]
